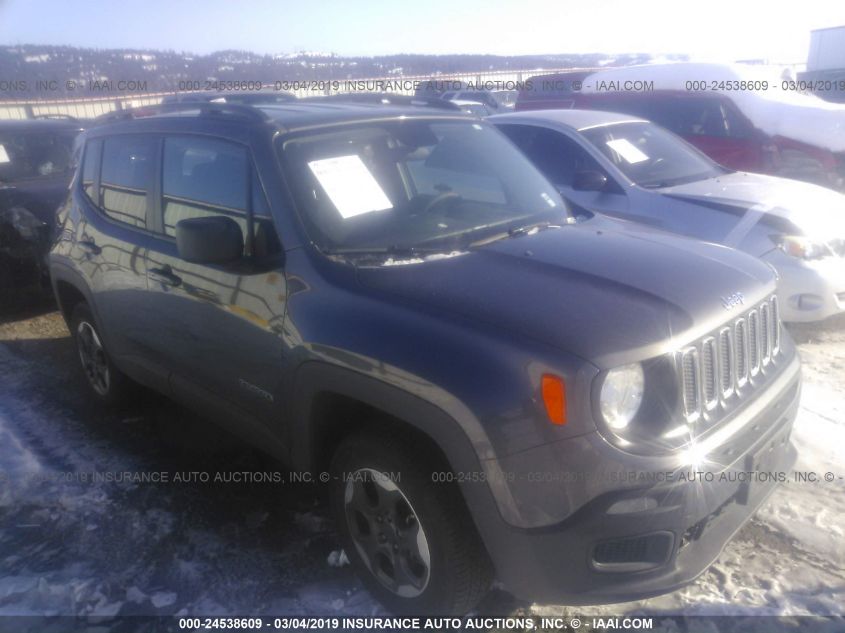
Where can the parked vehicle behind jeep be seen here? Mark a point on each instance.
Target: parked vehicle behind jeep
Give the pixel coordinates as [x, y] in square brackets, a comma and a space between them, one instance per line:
[396, 296]
[35, 169]
[551, 91]
[489, 98]
[629, 168]
[744, 117]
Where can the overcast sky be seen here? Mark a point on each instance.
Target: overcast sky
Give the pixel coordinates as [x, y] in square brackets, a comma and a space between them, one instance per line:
[705, 29]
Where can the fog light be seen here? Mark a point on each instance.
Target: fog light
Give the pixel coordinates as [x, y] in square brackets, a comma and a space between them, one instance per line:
[630, 506]
[807, 302]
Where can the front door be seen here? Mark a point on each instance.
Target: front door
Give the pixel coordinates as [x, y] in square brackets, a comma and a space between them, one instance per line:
[219, 326]
[560, 158]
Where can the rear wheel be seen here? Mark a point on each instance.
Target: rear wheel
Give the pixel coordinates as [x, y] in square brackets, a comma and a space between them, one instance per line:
[107, 383]
[411, 540]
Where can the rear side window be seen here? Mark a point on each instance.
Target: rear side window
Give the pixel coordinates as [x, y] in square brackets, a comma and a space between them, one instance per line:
[90, 165]
[126, 178]
[697, 117]
[202, 178]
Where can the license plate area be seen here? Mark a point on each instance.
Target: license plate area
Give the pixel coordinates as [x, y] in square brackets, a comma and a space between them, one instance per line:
[759, 468]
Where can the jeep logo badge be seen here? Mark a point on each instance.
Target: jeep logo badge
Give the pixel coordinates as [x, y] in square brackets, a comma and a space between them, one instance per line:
[731, 301]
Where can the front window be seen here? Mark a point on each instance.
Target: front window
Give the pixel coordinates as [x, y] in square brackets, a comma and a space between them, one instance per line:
[202, 178]
[651, 156]
[413, 184]
[35, 156]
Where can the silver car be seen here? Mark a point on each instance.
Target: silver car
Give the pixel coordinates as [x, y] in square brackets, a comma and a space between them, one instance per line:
[630, 168]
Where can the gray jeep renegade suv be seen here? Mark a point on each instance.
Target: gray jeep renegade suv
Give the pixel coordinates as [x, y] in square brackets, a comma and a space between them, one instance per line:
[389, 296]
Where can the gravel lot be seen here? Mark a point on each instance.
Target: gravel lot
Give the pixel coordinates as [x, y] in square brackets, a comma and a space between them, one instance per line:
[71, 546]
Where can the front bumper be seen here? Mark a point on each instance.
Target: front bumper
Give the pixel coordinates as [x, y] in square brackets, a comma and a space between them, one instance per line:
[811, 290]
[636, 542]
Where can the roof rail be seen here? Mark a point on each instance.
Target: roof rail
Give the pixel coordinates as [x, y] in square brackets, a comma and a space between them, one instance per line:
[201, 107]
[256, 97]
[385, 98]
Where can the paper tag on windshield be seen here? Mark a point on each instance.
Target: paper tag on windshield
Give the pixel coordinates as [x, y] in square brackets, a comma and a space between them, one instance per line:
[4, 157]
[351, 187]
[627, 150]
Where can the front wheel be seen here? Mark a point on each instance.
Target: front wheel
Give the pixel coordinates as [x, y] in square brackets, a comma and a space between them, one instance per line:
[411, 540]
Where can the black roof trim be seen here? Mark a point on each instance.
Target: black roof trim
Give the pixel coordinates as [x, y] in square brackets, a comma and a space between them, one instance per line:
[202, 108]
[384, 98]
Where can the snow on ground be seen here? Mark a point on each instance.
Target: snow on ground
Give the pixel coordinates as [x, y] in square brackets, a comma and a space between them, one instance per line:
[70, 546]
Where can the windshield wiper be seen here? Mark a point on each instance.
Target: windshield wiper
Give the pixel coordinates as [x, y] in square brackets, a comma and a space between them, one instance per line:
[514, 231]
[680, 180]
[393, 249]
[444, 244]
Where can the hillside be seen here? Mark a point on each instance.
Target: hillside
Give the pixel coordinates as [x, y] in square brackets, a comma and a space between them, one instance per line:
[37, 71]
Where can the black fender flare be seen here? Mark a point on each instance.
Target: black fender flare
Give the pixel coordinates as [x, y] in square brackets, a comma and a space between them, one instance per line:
[314, 377]
[62, 273]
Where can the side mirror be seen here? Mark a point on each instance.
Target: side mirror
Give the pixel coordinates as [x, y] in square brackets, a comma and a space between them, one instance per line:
[212, 240]
[589, 181]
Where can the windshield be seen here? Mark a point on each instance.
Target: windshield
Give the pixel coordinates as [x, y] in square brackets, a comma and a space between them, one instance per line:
[651, 156]
[27, 156]
[413, 184]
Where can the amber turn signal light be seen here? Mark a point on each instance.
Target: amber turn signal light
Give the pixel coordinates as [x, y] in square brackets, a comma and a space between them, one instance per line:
[554, 397]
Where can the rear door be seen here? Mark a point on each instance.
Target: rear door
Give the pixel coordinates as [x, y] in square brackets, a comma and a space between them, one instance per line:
[109, 242]
[218, 327]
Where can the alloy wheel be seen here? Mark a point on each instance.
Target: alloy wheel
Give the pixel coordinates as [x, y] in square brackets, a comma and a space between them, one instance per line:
[93, 357]
[387, 532]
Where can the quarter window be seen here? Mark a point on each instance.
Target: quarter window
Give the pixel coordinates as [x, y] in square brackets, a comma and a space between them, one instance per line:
[126, 177]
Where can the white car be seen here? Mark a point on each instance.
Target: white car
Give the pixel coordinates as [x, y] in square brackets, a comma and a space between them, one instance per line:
[630, 168]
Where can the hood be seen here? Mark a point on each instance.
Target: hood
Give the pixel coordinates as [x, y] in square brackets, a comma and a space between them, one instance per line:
[815, 211]
[601, 294]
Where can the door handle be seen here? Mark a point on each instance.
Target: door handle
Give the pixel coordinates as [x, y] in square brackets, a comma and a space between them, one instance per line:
[165, 276]
[90, 247]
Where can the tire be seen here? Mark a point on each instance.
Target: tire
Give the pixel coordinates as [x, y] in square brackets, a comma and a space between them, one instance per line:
[383, 498]
[107, 383]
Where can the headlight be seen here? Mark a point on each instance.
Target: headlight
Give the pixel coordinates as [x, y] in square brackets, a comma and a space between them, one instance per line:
[622, 395]
[803, 247]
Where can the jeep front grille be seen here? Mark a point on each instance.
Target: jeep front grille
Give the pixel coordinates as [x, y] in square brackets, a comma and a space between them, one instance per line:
[690, 371]
[754, 342]
[723, 363]
[708, 372]
[727, 375]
